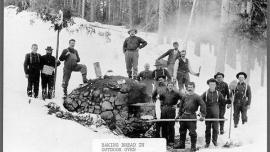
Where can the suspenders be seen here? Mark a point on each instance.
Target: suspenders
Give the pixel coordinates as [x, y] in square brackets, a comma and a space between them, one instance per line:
[207, 93]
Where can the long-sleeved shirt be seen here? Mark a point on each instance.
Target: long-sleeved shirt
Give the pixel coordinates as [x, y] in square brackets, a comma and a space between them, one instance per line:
[212, 99]
[190, 104]
[242, 93]
[223, 88]
[32, 64]
[161, 73]
[71, 59]
[145, 75]
[167, 97]
[133, 42]
[173, 55]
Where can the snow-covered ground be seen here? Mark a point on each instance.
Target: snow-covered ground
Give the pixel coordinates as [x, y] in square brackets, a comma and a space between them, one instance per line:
[28, 127]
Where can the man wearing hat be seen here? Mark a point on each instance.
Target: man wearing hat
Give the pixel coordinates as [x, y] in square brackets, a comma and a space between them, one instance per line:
[71, 58]
[242, 99]
[172, 54]
[169, 98]
[32, 67]
[213, 99]
[223, 88]
[182, 69]
[160, 71]
[47, 73]
[131, 48]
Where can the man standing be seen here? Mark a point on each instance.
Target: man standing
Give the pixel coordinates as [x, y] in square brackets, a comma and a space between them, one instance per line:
[131, 48]
[223, 88]
[182, 69]
[71, 58]
[169, 99]
[32, 69]
[212, 99]
[189, 104]
[146, 78]
[242, 99]
[173, 55]
[47, 73]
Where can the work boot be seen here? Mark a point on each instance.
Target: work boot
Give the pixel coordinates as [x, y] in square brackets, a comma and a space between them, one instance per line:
[193, 144]
[235, 125]
[206, 145]
[29, 93]
[84, 78]
[215, 143]
[179, 146]
[221, 131]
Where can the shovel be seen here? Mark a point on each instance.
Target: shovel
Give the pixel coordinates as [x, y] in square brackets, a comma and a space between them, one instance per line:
[229, 142]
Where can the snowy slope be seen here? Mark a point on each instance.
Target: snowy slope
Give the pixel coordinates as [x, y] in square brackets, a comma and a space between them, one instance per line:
[29, 127]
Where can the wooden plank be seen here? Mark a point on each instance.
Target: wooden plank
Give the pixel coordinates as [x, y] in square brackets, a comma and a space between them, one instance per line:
[177, 120]
[97, 69]
[143, 105]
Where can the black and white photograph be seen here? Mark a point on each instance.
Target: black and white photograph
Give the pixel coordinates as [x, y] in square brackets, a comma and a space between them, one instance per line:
[135, 75]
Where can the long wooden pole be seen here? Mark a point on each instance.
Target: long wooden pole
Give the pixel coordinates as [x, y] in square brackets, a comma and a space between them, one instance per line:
[230, 127]
[56, 59]
[176, 120]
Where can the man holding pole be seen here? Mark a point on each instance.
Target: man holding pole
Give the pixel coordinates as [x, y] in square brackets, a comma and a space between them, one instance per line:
[189, 104]
[169, 98]
[71, 58]
[212, 99]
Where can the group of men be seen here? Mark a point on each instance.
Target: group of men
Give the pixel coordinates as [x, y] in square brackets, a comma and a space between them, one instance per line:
[160, 85]
[212, 102]
[36, 65]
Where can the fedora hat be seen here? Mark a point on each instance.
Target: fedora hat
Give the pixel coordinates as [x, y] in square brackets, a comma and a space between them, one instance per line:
[49, 48]
[241, 73]
[217, 74]
[135, 30]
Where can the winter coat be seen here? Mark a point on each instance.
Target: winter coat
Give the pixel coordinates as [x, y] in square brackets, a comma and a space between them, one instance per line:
[190, 103]
[132, 43]
[71, 59]
[161, 73]
[172, 57]
[32, 64]
[242, 93]
[212, 101]
[48, 60]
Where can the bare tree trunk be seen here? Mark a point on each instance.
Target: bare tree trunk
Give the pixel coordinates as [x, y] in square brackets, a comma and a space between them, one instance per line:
[262, 70]
[131, 13]
[93, 10]
[161, 21]
[83, 8]
[221, 55]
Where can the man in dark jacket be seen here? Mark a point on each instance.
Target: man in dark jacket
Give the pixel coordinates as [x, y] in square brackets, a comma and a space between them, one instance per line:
[242, 99]
[32, 67]
[47, 73]
[173, 55]
[147, 78]
[160, 71]
[71, 58]
[169, 98]
[223, 88]
[182, 69]
[131, 47]
[188, 106]
[212, 98]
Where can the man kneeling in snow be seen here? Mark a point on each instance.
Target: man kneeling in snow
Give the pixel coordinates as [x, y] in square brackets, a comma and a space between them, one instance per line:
[71, 58]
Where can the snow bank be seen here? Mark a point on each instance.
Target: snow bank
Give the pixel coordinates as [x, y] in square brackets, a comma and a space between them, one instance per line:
[27, 127]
